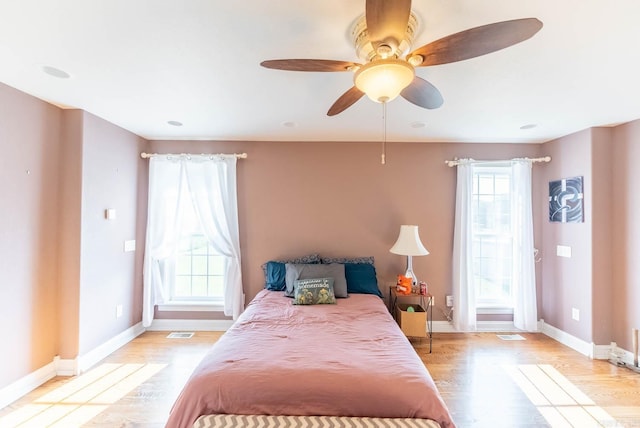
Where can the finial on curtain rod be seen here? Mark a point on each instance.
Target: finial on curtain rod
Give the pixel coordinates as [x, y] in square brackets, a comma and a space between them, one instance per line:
[456, 161]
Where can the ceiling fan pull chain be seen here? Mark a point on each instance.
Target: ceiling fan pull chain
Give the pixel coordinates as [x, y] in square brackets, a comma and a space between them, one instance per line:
[384, 136]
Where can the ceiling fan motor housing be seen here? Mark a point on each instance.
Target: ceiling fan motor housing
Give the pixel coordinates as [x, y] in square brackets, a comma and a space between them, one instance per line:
[364, 48]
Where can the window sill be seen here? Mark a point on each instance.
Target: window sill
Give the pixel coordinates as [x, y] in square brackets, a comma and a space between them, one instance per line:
[488, 310]
[191, 307]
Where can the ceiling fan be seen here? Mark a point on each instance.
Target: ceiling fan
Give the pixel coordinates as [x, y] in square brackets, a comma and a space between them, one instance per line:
[389, 68]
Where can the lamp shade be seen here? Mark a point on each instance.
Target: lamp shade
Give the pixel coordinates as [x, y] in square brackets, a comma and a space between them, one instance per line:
[383, 80]
[408, 243]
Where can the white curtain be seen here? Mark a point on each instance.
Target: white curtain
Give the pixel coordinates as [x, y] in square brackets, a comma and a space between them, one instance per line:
[525, 310]
[163, 231]
[210, 184]
[464, 294]
[523, 269]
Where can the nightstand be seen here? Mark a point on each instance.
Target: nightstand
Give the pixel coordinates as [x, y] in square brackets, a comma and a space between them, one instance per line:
[426, 301]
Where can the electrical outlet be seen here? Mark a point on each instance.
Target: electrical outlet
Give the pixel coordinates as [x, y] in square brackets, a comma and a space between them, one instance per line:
[575, 314]
[432, 301]
[118, 311]
[449, 300]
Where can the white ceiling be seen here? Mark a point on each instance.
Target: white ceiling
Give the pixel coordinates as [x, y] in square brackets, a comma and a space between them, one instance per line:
[141, 63]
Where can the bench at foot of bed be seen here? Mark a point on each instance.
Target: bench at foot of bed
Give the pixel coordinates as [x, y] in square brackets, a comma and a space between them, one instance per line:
[234, 421]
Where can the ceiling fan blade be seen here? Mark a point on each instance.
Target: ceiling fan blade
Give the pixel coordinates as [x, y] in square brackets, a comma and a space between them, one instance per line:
[423, 94]
[477, 41]
[308, 64]
[387, 21]
[345, 101]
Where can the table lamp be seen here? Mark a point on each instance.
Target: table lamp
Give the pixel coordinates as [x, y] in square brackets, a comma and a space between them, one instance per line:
[408, 244]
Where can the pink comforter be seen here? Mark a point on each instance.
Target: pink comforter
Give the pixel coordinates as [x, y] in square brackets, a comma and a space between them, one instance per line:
[347, 359]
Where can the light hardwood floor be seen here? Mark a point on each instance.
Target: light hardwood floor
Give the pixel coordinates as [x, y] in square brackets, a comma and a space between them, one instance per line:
[485, 381]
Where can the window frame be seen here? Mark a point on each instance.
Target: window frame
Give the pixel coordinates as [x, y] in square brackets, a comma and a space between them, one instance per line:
[196, 234]
[190, 227]
[495, 304]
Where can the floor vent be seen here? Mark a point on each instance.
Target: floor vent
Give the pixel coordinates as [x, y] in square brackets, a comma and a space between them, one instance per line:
[511, 337]
[180, 335]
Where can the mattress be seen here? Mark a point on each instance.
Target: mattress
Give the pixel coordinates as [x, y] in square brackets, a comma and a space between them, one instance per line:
[349, 359]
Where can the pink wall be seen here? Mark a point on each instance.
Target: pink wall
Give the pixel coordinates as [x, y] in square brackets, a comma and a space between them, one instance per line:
[69, 236]
[566, 282]
[113, 176]
[625, 286]
[336, 199]
[63, 266]
[29, 210]
[602, 243]
[101, 168]
[601, 277]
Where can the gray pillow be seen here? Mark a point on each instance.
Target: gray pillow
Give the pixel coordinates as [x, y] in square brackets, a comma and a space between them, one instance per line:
[311, 258]
[309, 271]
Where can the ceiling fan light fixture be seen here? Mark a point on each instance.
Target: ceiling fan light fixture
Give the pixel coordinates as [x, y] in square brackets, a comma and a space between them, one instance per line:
[383, 80]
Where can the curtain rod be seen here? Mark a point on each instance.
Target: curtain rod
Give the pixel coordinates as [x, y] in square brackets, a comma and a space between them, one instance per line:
[150, 155]
[459, 161]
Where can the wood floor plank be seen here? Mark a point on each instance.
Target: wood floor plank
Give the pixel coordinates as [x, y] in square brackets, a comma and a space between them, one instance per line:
[471, 371]
[485, 381]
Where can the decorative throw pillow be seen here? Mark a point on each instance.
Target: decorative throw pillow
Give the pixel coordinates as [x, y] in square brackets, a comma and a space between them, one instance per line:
[315, 291]
[310, 271]
[343, 260]
[361, 278]
[276, 280]
[275, 277]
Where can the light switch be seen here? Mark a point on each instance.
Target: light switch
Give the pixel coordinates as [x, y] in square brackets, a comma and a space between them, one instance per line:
[110, 214]
[129, 246]
[563, 251]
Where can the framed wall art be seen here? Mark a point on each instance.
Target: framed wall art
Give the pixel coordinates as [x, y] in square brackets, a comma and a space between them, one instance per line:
[566, 200]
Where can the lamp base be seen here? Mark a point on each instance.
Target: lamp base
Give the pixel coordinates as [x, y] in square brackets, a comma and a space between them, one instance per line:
[410, 274]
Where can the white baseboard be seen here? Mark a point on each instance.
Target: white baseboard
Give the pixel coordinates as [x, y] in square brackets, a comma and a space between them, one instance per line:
[591, 350]
[623, 354]
[496, 326]
[65, 367]
[443, 327]
[189, 325]
[87, 360]
[71, 367]
[26, 384]
[481, 326]
[603, 352]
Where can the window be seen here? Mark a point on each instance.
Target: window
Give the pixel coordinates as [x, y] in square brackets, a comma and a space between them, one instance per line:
[192, 250]
[492, 236]
[493, 247]
[199, 270]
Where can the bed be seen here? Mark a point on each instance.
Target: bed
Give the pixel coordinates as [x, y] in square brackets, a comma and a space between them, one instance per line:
[344, 364]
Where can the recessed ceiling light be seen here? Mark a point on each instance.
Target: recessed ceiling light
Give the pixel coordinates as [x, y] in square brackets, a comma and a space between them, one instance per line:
[174, 123]
[289, 124]
[418, 124]
[55, 72]
[528, 126]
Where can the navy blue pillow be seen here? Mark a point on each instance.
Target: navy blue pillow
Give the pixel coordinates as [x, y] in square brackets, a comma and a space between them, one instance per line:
[275, 277]
[361, 278]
